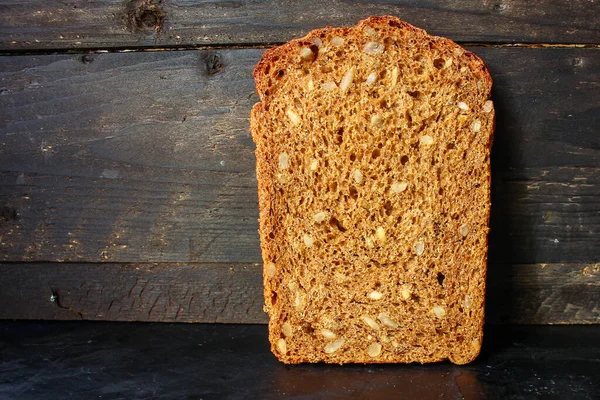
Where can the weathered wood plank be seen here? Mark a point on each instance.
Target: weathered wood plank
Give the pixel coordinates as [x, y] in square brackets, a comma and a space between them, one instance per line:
[146, 157]
[53, 24]
[524, 294]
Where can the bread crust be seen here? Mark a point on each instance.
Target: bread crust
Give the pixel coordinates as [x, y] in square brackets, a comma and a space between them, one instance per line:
[284, 57]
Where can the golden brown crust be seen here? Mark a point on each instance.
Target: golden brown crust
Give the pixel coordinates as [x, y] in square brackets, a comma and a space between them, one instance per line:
[337, 268]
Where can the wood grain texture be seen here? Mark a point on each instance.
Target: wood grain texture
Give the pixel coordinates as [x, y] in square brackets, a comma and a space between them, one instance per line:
[529, 294]
[146, 157]
[133, 292]
[71, 24]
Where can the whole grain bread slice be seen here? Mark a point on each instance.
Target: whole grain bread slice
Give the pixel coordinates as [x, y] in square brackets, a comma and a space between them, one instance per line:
[372, 151]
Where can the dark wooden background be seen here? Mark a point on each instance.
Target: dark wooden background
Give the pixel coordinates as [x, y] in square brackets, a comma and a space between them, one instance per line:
[127, 184]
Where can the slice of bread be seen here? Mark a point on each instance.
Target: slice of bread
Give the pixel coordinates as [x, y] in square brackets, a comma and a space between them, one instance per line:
[372, 150]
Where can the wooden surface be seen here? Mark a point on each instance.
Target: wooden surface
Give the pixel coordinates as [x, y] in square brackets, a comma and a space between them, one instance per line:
[232, 293]
[69, 360]
[127, 168]
[59, 24]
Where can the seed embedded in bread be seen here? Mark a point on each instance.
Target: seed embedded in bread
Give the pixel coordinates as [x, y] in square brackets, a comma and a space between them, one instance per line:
[372, 78]
[386, 133]
[375, 295]
[487, 106]
[426, 140]
[387, 321]
[357, 176]
[373, 48]
[270, 269]
[320, 216]
[334, 346]
[347, 80]
[327, 334]
[282, 346]
[463, 106]
[284, 160]
[377, 120]
[293, 117]
[306, 53]
[419, 248]
[286, 328]
[399, 187]
[370, 322]
[337, 41]
[439, 311]
[380, 234]
[308, 240]
[374, 349]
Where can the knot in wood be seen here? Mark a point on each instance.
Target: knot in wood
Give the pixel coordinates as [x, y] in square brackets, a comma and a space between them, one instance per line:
[213, 64]
[144, 15]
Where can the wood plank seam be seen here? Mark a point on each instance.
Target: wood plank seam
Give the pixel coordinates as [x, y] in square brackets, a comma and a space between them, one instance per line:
[264, 46]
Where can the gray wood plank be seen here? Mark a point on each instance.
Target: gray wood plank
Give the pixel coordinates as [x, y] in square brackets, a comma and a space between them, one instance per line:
[54, 24]
[146, 157]
[232, 293]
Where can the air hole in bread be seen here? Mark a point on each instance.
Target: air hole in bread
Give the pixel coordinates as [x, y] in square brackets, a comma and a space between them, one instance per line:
[440, 278]
[388, 207]
[439, 63]
[339, 136]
